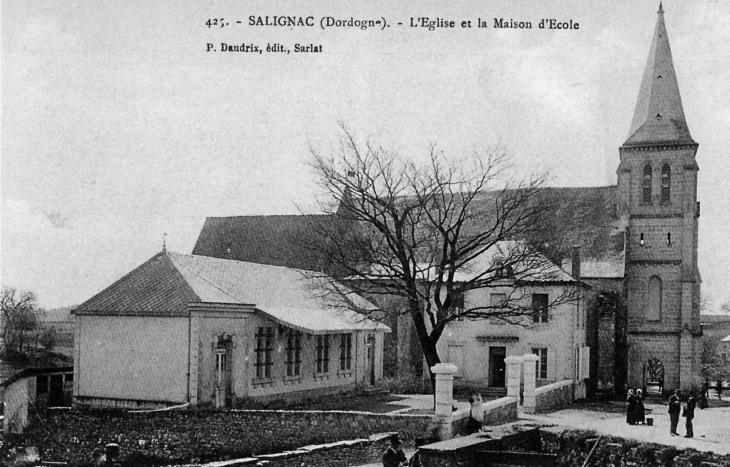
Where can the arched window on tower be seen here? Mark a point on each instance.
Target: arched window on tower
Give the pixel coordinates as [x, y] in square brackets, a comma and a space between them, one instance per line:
[666, 183]
[646, 183]
[654, 299]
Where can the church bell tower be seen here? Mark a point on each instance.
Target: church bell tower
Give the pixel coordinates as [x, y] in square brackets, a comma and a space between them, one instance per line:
[657, 200]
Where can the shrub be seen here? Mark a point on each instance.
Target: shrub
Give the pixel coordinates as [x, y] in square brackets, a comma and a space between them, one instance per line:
[406, 384]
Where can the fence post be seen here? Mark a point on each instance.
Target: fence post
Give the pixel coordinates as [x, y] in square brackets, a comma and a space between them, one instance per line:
[444, 373]
[514, 375]
[530, 400]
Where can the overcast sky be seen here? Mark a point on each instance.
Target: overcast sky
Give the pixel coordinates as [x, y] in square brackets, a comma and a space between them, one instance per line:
[118, 126]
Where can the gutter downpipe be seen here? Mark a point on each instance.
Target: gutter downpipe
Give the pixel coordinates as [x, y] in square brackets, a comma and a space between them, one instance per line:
[190, 320]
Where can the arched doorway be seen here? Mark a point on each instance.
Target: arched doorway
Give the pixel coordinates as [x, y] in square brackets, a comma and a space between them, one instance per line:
[654, 376]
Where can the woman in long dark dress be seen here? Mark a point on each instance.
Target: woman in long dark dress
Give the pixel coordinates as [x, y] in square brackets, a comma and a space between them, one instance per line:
[631, 408]
[640, 410]
[704, 391]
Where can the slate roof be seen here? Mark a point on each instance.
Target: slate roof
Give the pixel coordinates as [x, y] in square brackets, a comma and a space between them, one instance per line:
[156, 288]
[580, 216]
[711, 319]
[541, 269]
[586, 217]
[166, 283]
[659, 115]
[260, 239]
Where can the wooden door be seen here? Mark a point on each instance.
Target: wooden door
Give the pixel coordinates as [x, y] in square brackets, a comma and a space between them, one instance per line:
[497, 367]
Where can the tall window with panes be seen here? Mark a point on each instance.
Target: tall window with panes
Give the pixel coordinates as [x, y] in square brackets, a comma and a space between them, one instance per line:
[345, 352]
[264, 352]
[666, 183]
[322, 363]
[541, 367]
[539, 308]
[293, 353]
[646, 184]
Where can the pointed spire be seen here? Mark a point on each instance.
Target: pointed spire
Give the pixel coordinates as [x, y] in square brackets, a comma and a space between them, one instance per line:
[164, 242]
[659, 116]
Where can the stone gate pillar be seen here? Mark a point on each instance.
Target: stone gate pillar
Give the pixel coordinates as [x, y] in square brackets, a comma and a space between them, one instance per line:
[444, 373]
[514, 375]
[530, 399]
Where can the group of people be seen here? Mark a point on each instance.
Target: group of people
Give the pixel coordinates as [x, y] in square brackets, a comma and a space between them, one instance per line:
[675, 408]
[635, 411]
[395, 457]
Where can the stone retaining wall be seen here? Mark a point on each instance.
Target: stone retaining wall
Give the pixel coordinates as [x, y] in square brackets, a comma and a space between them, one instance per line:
[554, 396]
[200, 436]
[496, 412]
[573, 447]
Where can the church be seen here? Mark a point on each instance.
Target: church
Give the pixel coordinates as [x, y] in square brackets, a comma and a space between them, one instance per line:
[634, 244]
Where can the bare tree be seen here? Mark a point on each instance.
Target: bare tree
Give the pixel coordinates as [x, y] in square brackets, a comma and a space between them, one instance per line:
[714, 365]
[20, 319]
[430, 232]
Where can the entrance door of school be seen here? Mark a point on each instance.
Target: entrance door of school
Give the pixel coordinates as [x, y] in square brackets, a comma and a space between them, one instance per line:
[497, 367]
[223, 374]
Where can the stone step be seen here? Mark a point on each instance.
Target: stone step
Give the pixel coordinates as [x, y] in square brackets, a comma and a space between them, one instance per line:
[493, 392]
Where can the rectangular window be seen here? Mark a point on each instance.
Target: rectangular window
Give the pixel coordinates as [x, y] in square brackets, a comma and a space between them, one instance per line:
[41, 384]
[264, 352]
[457, 302]
[323, 354]
[541, 367]
[539, 308]
[345, 352]
[221, 361]
[497, 301]
[293, 353]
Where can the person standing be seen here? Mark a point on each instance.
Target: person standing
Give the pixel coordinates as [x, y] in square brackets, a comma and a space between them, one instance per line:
[394, 455]
[640, 409]
[704, 392]
[675, 406]
[631, 408]
[416, 459]
[689, 414]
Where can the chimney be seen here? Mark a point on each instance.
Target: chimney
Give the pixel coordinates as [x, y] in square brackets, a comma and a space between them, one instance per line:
[576, 262]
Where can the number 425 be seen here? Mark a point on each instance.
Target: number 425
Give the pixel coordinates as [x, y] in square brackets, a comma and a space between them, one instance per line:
[215, 22]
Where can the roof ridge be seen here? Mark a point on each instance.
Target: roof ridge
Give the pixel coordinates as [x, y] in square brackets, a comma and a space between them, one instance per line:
[177, 265]
[271, 266]
[243, 216]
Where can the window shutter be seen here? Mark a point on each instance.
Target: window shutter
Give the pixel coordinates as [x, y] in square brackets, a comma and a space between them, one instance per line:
[552, 365]
[585, 364]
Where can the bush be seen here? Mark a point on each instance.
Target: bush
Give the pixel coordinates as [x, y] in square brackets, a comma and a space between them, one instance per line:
[406, 384]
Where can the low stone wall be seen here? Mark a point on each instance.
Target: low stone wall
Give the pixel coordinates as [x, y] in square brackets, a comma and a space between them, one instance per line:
[554, 396]
[186, 436]
[355, 453]
[496, 412]
[463, 450]
[573, 447]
